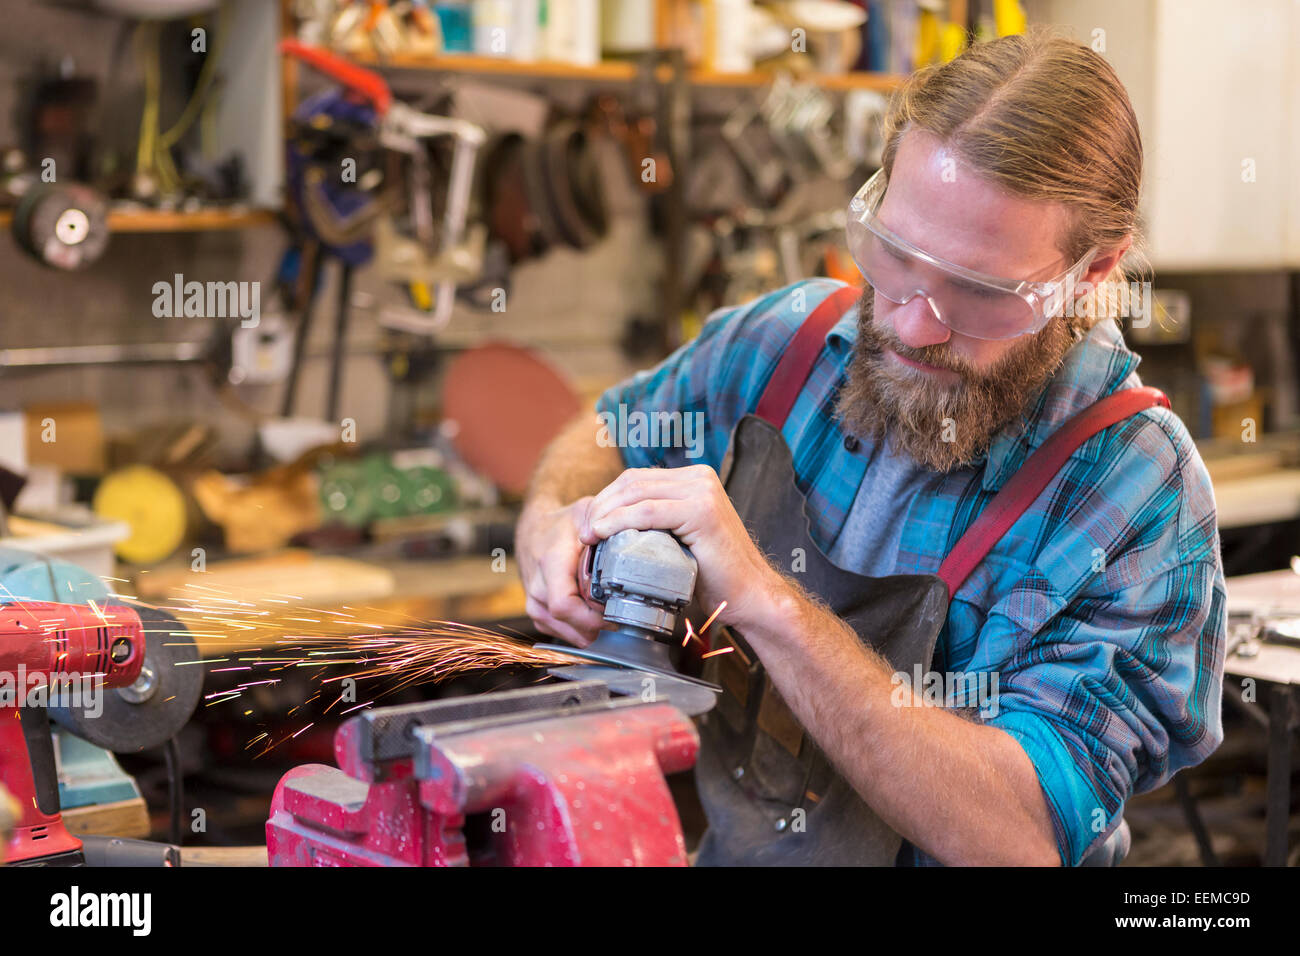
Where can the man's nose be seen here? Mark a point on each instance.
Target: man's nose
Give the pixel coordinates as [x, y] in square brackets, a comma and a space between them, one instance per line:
[917, 325]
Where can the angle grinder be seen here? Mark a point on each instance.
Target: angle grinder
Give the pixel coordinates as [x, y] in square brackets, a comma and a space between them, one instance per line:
[166, 682]
[644, 580]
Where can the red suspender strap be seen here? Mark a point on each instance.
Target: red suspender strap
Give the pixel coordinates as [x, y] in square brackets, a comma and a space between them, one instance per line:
[1039, 468]
[800, 356]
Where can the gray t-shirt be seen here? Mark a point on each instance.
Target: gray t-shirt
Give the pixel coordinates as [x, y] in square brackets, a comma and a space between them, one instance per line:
[873, 531]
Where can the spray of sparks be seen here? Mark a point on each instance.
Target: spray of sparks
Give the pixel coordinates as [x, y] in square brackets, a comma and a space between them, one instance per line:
[264, 635]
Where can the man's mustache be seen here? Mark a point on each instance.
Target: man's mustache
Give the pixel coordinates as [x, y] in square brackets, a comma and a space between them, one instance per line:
[876, 339]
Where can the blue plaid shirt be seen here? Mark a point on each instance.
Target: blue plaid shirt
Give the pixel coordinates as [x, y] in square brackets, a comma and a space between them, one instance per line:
[1101, 612]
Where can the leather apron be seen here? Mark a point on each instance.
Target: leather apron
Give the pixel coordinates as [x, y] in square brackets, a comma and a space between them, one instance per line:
[771, 796]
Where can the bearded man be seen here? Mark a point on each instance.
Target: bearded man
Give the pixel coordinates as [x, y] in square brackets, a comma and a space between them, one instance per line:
[974, 598]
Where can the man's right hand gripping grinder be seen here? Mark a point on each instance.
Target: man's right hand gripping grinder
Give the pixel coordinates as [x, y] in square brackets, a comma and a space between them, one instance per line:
[644, 580]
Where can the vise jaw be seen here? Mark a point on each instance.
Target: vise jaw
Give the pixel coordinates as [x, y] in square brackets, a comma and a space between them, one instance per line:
[557, 775]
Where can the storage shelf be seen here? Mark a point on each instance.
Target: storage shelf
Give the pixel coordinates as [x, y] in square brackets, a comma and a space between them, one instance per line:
[614, 71]
[135, 219]
[880, 82]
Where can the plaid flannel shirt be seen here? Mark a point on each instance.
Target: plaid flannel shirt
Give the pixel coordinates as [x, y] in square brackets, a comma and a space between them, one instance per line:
[1101, 612]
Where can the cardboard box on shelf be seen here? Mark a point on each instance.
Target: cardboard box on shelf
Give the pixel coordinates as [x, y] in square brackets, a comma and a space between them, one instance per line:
[13, 442]
[67, 435]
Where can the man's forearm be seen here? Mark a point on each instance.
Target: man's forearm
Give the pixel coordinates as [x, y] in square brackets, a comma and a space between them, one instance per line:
[574, 465]
[963, 792]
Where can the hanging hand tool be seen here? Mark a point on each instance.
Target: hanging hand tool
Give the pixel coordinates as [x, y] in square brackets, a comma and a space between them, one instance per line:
[333, 210]
[637, 137]
[401, 128]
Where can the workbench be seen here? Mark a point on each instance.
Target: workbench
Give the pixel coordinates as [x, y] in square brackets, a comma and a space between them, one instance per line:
[1255, 484]
[1275, 666]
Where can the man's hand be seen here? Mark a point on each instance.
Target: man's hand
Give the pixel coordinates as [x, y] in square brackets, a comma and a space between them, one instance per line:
[547, 547]
[692, 504]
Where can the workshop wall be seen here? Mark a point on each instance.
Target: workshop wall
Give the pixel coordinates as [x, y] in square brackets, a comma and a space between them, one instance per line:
[571, 305]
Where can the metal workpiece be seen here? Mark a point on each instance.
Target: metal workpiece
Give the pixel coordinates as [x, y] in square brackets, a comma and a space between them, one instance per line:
[690, 696]
[627, 647]
[387, 734]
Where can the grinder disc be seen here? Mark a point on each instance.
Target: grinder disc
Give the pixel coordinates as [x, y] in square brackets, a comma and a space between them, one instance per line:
[155, 708]
[600, 651]
[64, 226]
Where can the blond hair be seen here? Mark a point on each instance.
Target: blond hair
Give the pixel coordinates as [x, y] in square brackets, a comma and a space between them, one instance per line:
[1044, 117]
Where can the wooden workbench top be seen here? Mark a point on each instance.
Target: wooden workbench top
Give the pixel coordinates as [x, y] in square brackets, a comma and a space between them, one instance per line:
[466, 589]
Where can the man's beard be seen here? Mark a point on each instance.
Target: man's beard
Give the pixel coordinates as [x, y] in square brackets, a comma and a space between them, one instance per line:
[942, 426]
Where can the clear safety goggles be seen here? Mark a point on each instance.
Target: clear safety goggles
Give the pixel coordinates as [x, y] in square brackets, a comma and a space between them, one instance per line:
[966, 301]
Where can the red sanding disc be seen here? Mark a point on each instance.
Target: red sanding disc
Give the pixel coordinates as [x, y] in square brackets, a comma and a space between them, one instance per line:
[507, 404]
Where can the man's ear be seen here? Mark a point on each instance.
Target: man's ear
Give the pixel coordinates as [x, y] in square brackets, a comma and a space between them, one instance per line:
[1106, 261]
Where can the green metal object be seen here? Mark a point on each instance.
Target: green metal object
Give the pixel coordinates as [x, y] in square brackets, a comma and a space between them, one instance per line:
[345, 496]
[430, 491]
[356, 493]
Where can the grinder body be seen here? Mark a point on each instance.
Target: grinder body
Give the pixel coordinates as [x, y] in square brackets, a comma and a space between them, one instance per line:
[644, 580]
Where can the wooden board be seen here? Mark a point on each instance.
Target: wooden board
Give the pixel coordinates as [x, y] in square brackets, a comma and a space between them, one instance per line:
[297, 576]
[125, 818]
[224, 856]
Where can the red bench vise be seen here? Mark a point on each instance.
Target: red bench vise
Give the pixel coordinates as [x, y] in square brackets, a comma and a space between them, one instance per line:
[557, 775]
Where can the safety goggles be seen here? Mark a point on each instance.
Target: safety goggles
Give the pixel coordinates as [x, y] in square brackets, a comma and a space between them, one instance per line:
[966, 301]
